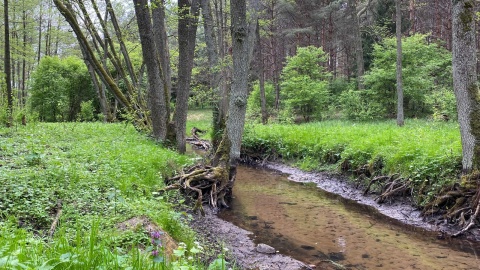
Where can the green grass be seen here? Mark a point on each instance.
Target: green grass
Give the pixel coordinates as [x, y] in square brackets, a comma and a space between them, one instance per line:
[201, 119]
[422, 151]
[102, 174]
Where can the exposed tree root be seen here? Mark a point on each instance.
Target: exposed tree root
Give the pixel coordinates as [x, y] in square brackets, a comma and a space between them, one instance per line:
[459, 204]
[196, 141]
[389, 186]
[207, 184]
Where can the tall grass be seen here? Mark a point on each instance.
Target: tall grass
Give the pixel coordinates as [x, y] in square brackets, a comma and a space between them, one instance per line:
[420, 151]
[101, 175]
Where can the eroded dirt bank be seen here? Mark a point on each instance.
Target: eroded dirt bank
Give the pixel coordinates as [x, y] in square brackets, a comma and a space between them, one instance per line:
[400, 209]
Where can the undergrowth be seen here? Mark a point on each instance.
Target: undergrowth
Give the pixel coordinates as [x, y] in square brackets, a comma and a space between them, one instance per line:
[426, 153]
[99, 175]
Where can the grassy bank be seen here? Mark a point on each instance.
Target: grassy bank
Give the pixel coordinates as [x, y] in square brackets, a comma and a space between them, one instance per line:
[426, 153]
[96, 178]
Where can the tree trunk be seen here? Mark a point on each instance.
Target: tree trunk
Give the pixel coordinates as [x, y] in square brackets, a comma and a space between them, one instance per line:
[161, 40]
[261, 76]
[465, 82]
[156, 97]
[357, 42]
[239, 89]
[400, 116]
[187, 32]
[7, 67]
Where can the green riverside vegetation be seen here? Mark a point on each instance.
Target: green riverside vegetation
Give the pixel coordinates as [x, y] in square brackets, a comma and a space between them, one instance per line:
[427, 153]
[102, 175]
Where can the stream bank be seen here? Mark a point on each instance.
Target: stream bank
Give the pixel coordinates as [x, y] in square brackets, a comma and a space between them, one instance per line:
[400, 215]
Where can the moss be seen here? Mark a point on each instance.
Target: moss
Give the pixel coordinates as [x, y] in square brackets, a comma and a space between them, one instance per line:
[475, 122]
[466, 16]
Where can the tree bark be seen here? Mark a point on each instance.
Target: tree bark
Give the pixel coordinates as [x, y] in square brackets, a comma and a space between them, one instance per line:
[357, 42]
[398, 16]
[7, 67]
[465, 81]
[239, 89]
[261, 76]
[156, 97]
[187, 32]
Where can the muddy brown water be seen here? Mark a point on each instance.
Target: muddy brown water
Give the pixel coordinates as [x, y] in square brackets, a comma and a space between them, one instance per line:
[314, 226]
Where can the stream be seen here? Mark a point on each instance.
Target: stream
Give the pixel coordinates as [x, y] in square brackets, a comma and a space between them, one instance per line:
[315, 227]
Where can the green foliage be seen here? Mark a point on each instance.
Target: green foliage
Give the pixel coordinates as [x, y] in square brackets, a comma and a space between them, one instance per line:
[94, 170]
[426, 69]
[58, 88]
[427, 152]
[360, 105]
[305, 83]
[254, 107]
[87, 111]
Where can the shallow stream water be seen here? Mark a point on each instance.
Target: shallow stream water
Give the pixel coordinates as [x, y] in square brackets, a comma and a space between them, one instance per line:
[317, 227]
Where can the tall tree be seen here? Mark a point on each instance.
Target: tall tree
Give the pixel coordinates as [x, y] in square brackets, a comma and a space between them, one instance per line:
[239, 89]
[398, 29]
[187, 33]
[465, 81]
[156, 85]
[7, 67]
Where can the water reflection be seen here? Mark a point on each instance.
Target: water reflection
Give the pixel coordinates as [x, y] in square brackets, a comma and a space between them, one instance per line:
[315, 227]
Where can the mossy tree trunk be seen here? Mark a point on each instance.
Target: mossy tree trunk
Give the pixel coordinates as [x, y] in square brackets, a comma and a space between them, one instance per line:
[465, 81]
[187, 34]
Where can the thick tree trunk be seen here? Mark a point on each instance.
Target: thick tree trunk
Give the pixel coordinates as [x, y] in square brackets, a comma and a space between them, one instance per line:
[187, 32]
[156, 96]
[239, 90]
[161, 40]
[465, 81]
[400, 116]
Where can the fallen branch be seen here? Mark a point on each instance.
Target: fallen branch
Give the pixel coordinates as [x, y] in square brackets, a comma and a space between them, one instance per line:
[57, 218]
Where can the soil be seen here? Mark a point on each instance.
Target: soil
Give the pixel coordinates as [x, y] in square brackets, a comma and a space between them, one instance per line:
[242, 250]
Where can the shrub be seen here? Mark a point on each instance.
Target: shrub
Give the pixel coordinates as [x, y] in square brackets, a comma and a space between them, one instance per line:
[305, 83]
[426, 69]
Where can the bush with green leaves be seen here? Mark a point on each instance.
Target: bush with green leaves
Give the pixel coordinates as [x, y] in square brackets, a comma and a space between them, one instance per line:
[426, 67]
[304, 85]
[254, 108]
[59, 86]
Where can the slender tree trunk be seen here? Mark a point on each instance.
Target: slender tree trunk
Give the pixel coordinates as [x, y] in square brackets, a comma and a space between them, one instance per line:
[39, 52]
[121, 42]
[156, 97]
[187, 32]
[400, 116]
[465, 81]
[357, 42]
[7, 67]
[261, 76]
